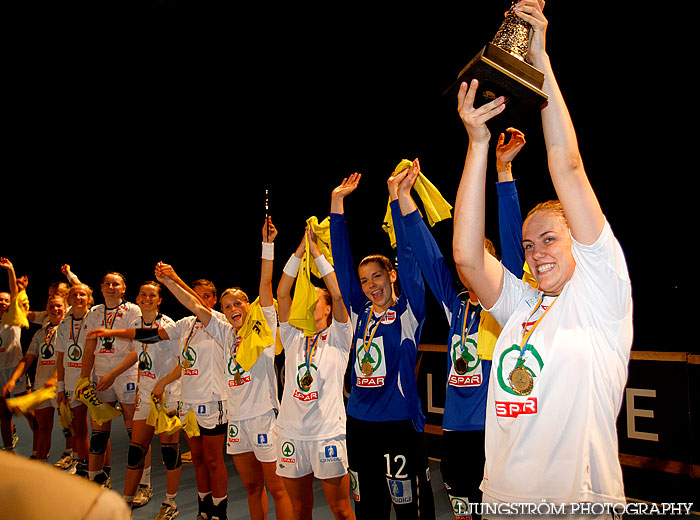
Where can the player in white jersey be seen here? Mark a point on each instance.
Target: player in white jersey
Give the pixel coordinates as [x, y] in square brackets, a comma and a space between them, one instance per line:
[115, 372]
[560, 363]
[311, 424]
[70, 345]
[252, 395]
[10, 354]
[159, 373]
[42, 349]
[202, 392]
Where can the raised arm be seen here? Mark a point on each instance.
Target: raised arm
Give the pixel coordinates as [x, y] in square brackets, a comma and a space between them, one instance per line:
[11, 277]
[340, 312]
[483, 272]
[269, 233]
[166, 275]
[573, 189]
[289, 274]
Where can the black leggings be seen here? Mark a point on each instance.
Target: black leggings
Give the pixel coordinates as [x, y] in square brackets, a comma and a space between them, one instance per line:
[389, 464]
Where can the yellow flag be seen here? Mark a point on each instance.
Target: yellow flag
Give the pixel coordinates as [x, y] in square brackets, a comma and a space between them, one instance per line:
[16, 313]
[27, 402]
[189, 425]
[322, 232]
[303, 309]
[99, 412]
[256, 336]
[436, 207]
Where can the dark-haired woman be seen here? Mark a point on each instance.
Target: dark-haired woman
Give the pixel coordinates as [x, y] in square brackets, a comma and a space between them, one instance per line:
[386, 445]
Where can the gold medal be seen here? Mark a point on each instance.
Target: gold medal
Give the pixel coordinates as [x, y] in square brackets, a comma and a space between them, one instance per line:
[237, 378]
[460, 366]
[366, 368]
[521, 380]
[306, 381]
[186, 364]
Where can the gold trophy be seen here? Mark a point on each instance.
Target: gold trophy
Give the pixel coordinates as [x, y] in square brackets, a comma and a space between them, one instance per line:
[502, 70]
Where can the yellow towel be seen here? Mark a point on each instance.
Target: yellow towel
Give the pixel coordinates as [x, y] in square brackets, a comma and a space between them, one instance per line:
[303, 309]
[256, 336]
[189, 425]
[436, 207]
[99, 412]
[27, 402]
[162, 419]
[489, 330]
[65, 416]
[322, 232]
[16, 313]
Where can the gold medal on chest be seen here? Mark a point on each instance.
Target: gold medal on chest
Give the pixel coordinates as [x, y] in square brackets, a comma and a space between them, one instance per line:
[306, 381]
[186, 364]
[366, 368]
[460, 366]
[521, 380]
[237, 378]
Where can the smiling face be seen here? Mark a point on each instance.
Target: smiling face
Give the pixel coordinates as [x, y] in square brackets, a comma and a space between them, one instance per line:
[547, 244]
[207, 295]
[377, 284]
[113, 288]
[4, 302]
[55, 309]
[79, 297]
[148, 299]
[234, 305]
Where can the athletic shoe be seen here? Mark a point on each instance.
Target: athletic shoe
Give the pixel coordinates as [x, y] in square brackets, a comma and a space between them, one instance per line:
[103, 480]
[167, 512]
[143, 496]
[72, 468]
[65, 461]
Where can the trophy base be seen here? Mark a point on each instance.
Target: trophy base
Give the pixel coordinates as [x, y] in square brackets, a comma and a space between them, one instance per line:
[501, 74]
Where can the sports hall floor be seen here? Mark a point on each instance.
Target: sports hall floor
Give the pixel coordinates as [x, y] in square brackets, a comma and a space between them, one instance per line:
[645, 486]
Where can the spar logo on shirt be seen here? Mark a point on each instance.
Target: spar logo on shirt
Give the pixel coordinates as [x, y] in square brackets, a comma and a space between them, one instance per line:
[75, 353]
[305, 381]
[370, 366]
[517, 402]
[466, 369]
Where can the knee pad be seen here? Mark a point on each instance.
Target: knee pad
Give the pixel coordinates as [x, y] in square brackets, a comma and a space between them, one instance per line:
[98, 442]
[171, 456]
[136, 457]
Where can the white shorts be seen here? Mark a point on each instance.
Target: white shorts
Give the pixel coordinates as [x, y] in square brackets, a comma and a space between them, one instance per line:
[209, 415]
[143, 405]
[21, 385]
[254, 434]
[123, 390]
[325, 458]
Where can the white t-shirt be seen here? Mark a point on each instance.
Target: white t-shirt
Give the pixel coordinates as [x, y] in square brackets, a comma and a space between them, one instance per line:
[43, 348]
[200, 354]
[10, 346]
[316, 411]
[120, 317]
[158, 360]
[70, 339]
[251, 393]
[563, 432]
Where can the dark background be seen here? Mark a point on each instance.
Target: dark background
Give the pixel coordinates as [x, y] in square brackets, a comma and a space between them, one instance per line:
[139, 132]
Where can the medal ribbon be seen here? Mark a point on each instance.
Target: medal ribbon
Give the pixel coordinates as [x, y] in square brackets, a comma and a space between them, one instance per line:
[114, 317]
[72, 327]
[144, 346]
[466, 331]
[365, 345]
[527, 334]
[311, 348]
[189, 338]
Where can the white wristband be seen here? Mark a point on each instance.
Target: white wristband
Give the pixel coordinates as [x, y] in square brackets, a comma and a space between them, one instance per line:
[268, 250]
[292, 266]
[324, 266]
[60, 386]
